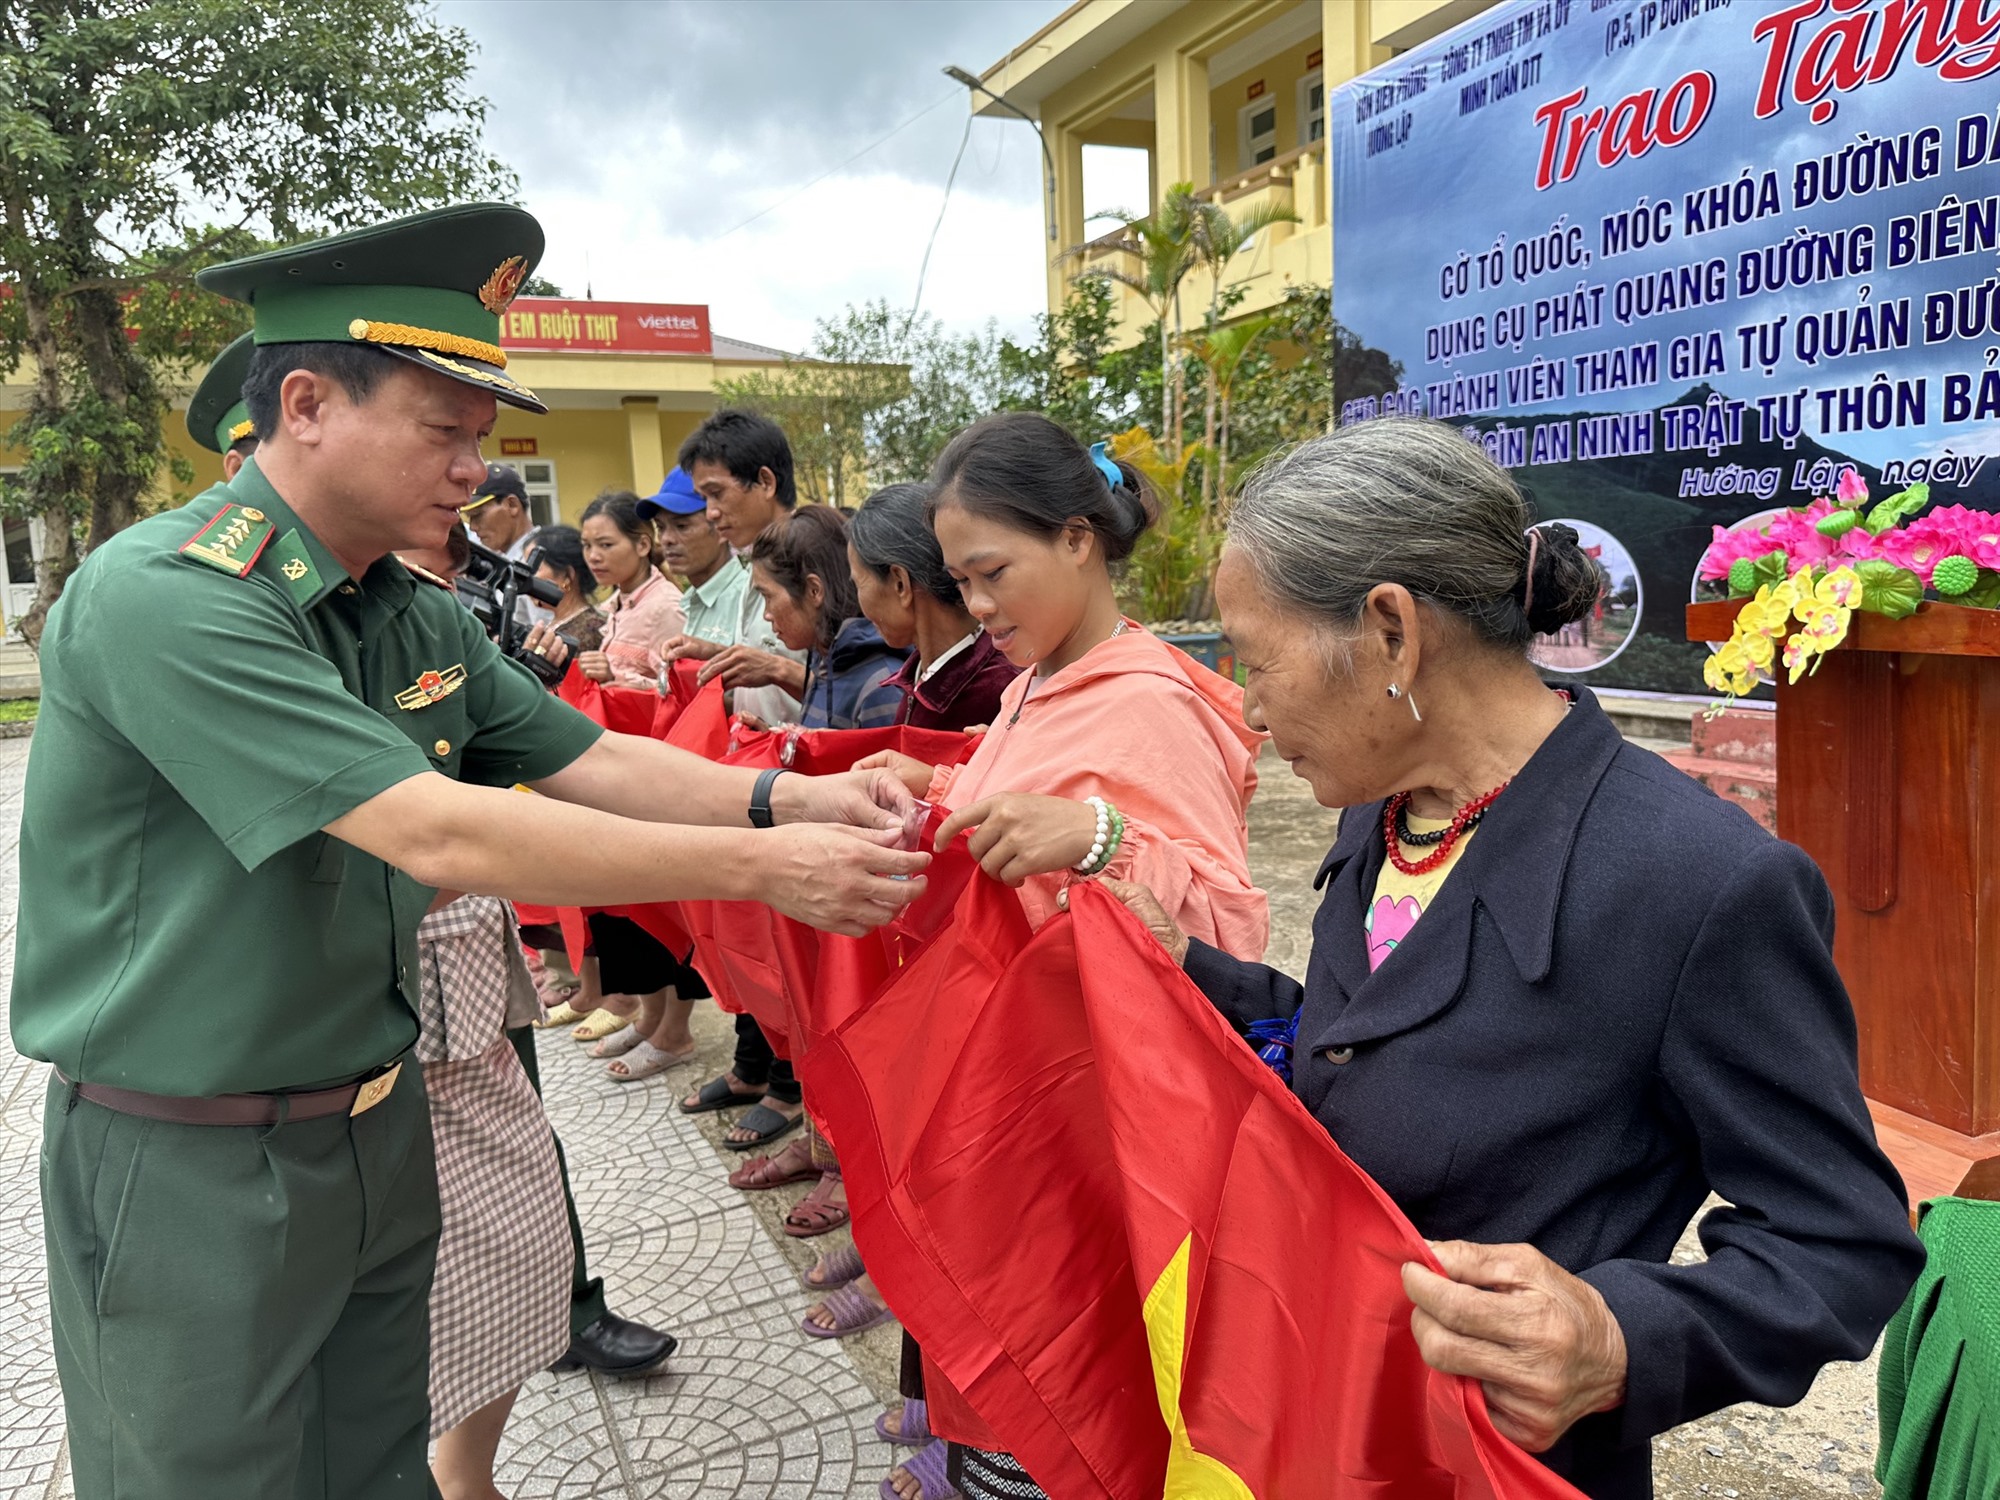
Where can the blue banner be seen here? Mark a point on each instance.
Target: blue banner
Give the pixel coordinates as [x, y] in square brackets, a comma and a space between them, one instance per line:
[1678, 262]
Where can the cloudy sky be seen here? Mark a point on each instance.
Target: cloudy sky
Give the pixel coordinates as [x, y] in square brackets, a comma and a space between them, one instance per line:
[718, 151]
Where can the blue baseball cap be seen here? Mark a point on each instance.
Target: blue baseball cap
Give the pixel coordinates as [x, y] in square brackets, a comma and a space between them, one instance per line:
[676, 496]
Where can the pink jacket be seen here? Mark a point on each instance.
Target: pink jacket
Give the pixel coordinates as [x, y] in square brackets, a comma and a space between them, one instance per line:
[637, 625]
[1160, 737]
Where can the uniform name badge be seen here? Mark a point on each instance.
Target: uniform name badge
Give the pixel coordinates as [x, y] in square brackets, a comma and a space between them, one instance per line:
[374, 1091]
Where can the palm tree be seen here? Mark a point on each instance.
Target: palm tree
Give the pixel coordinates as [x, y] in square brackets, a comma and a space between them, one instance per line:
[1217, 238]
[1164, 244]
[1222, 351]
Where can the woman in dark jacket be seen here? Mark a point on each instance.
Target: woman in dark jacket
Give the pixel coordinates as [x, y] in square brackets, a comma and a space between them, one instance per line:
[1576, 996]
[955, 674]
[799, 566]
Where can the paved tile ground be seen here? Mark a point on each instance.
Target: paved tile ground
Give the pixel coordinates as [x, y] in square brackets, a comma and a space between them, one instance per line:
[749, 1407]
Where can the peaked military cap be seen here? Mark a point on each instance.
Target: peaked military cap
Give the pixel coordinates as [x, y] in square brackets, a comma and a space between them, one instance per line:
[217, 417]
[428, 288]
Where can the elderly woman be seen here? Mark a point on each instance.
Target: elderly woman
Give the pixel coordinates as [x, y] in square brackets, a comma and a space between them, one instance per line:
[1559, 993]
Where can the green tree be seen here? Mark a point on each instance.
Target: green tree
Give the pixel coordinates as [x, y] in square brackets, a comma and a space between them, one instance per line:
[1162, 244]
[1288, 384]
[143, 139]
[1222, 352]
[1072, 370]
[1218, 237]
[950, 381]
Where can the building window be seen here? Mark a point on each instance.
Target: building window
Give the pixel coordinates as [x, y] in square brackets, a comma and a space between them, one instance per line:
[1257, 133]
[1312, 108]
[538, 476]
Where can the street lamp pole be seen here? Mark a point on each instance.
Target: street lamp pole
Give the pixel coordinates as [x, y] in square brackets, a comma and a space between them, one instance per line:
[959, 75]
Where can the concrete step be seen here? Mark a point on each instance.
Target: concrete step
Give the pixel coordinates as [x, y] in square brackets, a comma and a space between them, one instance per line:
[1652, 721]
[1747, 735]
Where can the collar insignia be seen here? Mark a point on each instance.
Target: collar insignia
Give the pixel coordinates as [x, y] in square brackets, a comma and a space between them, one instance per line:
[430, 688]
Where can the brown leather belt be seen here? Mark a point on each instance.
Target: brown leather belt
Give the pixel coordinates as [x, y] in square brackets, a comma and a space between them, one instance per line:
[353, 1098]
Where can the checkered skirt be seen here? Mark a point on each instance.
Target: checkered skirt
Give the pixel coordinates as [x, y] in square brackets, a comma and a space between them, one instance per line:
[500, 1301]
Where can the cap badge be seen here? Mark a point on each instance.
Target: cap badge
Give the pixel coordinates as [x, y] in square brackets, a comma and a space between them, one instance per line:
[430, 688]
[502, 286]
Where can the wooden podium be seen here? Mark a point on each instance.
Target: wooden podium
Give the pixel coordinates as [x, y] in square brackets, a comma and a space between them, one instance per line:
[1889, 777]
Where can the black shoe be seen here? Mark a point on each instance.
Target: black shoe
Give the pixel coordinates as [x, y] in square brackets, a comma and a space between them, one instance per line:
[617, 1346]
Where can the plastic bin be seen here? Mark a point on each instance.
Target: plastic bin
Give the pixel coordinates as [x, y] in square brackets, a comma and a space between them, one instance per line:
[1211, 648]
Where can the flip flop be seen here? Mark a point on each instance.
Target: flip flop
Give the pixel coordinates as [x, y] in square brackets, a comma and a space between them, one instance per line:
[645, 1060]
[813, 1215]
[930, 1469]
[764, 1172]
[618, 1043]
[915, 1431]
[853, 1312]
[836, 1269]
[599, 1024]
[717, 1094]
[767, 1125]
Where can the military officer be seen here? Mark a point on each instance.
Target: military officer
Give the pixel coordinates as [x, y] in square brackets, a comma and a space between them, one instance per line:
[261, 748]
[217, 418]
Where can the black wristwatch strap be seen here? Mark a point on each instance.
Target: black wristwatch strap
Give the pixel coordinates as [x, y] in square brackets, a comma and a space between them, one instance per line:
[760, 797]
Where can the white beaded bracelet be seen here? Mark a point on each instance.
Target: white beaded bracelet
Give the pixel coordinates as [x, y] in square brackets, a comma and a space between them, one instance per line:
[1085, 865]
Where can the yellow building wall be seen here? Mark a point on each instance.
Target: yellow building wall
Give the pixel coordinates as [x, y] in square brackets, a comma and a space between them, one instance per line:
[1170, 61]
[1280, 75]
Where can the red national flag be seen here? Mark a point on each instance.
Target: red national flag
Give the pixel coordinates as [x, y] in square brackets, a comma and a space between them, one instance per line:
[1115, 1231]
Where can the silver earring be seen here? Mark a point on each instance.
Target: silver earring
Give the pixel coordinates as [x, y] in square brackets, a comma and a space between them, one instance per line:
[1394, 692]
[1413, 709]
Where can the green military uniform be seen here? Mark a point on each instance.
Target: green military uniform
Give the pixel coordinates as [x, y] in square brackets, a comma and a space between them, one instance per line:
[241, 1310]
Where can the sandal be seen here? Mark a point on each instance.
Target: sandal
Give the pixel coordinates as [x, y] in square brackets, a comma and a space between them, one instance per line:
[853, 1312]
[645, 1060]
[599, 1024]
[618, 1043]
[562, 1013]
[812, 1215]
[766, 1125]
[835, 1270]
[915, 1429]
[717, 1094]
[793, 1164]
[930, 1468]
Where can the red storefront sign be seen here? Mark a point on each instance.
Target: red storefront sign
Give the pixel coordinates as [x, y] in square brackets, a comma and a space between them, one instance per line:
[567, 323]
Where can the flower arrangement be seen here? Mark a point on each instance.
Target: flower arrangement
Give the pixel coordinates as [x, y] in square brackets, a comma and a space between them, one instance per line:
[1806, 571]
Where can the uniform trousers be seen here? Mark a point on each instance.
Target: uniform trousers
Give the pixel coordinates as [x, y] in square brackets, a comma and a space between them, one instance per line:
[243, 1311]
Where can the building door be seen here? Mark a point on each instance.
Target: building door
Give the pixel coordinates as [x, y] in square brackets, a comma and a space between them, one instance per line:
[1256, 133]
[22, 552]
[1312, 108]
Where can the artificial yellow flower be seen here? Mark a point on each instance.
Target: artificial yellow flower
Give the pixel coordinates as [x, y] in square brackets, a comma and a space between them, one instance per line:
[1824, 611]
[1731, 669]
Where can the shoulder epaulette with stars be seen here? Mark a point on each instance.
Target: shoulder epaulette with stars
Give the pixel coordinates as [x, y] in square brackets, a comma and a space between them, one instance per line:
[232, 541]
[425, 575]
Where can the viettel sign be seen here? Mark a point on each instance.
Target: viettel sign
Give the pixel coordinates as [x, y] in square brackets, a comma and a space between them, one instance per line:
[564, 323]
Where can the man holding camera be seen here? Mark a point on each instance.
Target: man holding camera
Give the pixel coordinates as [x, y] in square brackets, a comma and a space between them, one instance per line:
[262, 748]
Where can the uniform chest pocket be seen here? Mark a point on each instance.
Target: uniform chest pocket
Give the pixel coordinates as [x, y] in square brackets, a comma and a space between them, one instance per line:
[440, 730]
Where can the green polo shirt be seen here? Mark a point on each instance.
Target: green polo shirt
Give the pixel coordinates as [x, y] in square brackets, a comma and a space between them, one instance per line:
[185, 927]
[715, 609]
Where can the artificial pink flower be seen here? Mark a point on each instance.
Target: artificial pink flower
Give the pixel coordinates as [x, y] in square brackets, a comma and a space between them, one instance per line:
[1728, 545]
[1852, 489]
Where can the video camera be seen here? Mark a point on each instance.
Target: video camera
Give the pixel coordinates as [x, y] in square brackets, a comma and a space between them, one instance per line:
[490, 586]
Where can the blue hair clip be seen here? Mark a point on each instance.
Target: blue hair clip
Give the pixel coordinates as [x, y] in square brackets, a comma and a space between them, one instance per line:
[1110, 470]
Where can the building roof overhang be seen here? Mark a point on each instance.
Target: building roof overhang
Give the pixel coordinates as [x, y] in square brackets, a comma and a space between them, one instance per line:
[1064, 50]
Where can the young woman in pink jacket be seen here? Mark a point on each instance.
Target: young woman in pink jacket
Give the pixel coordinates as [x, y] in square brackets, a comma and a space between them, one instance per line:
[1114, 754]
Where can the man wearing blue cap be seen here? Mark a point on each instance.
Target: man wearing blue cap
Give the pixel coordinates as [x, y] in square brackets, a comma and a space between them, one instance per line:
[716, 579]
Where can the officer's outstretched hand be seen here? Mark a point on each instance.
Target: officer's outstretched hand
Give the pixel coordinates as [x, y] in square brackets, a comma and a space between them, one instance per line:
[843, 880]
[862, 799]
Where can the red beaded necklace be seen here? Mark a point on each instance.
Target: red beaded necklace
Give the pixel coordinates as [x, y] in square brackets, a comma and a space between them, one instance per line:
[1461, 820]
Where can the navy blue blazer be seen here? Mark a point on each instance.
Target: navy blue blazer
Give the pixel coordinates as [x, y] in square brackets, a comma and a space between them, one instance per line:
[1622, 999]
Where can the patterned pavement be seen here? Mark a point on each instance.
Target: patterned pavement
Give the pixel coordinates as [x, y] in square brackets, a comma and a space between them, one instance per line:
[748, 1406]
